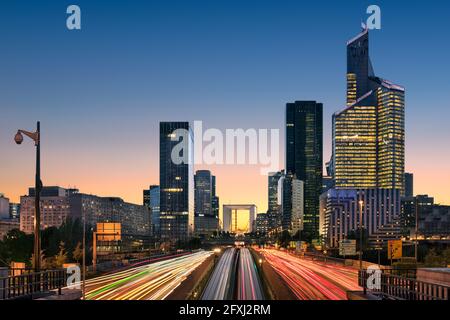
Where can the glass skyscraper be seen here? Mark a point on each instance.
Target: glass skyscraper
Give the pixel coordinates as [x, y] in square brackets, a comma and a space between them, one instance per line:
[176, 181]
[206, 217]
[304, 146]
[369, 134]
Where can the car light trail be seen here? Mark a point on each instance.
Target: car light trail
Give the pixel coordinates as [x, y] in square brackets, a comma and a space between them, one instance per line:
[219, 286]
[249, 287]
[313, 280]
[153, 281]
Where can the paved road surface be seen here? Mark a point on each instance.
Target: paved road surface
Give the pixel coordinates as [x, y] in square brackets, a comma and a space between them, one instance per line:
[219, 286]
[153, 281]
[248, 286]
[312, 280]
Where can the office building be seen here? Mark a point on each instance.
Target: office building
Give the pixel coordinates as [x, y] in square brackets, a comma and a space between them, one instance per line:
[206, 220]
[369, 134]
[59, 204]
[4, 207]
[292, 204]
[380, 210]
[176, 181]
[14, 210]
[55, 208]
[262, 223]
[304, 144]
[409, 184]
[273, 208]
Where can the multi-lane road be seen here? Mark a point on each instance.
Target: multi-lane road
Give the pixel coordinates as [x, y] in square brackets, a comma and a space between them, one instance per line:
[235, 277]
[153, 281]
[220, 286]
[312, 280]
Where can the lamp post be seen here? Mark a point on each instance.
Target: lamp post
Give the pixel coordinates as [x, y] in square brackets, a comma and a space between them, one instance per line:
[416, 231]
[361, 203]
[35, 136]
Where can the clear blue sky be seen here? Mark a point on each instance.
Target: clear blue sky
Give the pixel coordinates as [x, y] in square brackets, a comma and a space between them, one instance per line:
[100, 92]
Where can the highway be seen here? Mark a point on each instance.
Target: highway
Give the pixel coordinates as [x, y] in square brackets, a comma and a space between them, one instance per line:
[220, 286]
[311, 280]
[248, 285]
[153, 281]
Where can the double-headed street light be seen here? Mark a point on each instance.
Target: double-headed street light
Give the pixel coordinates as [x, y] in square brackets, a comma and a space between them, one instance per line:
[35, 136]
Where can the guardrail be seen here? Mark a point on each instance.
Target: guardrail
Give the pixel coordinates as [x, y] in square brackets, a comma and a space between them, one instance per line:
[32, 283]
[402, 288]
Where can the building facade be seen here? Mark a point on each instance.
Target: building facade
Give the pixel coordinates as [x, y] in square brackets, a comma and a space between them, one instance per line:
[304, 147]
[409, 184]
[273, 207]
[262, 223]
[231, 218]
[380, 210]
[59, 204]
[4, 207]
[206, 217]
[176, 181]
[369, 134]
[55, 208]
[292, 204]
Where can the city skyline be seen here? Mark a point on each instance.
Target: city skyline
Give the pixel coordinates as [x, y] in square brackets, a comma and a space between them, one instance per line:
[79, 131]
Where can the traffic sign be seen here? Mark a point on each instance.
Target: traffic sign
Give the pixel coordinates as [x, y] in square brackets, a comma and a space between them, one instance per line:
[394, 249]
[347, 247]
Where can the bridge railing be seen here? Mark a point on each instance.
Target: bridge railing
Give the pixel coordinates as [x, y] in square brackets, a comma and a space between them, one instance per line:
[403, 288]
[28, 284]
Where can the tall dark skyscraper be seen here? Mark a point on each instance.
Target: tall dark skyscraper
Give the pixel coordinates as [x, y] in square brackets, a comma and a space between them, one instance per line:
[409, 184]
[176, 181]
[206, 220]
[151, 201]
[369, 134]
[273, 208]
[304, 146]
[215, 199]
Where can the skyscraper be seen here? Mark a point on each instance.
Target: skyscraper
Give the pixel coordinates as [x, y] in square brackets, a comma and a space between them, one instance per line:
[151, 201]
[409, 184]
[176, 181]
[292, 204]
[273, 211]
[215, 200]
[369, 134]
[206, 220]
[304, 144]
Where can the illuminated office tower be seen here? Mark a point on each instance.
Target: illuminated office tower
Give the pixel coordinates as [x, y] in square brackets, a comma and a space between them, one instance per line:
[274, 210]
[206, 215]
[176, 177]
[369, 134]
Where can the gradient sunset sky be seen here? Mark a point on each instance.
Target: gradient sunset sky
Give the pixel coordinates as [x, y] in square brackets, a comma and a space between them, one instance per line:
[101, 92]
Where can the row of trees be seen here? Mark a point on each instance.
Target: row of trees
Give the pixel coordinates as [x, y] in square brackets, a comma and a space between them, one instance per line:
[58, 246]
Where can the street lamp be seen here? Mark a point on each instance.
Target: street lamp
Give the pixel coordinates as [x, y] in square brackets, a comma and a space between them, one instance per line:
[35, 136]
[361, 203]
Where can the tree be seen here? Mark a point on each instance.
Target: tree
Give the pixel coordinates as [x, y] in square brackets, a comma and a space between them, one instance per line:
[284, 239]
[61, 257]
[43, 261]
[432, 259]
[16, 246]
[77, 253]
